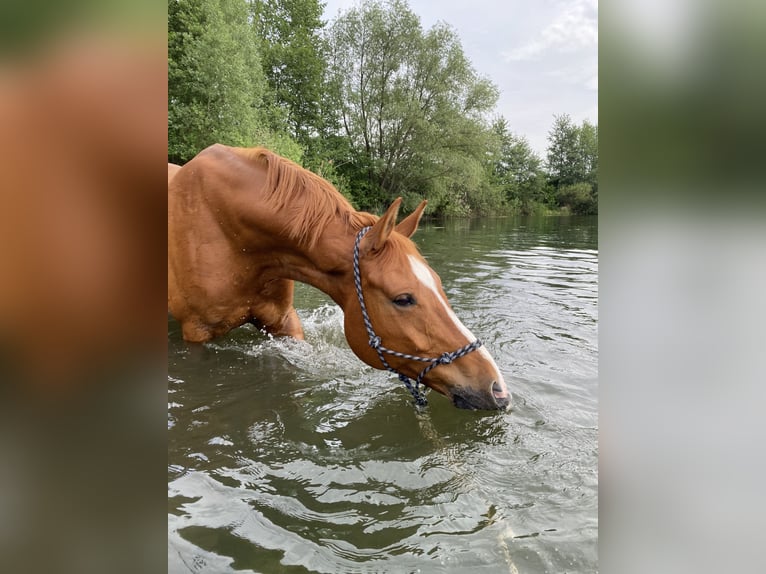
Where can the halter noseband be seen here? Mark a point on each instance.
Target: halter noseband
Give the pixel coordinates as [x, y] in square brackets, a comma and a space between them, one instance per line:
[375, 343]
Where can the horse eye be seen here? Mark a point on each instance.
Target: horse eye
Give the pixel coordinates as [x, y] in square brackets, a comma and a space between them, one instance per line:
[404, 300]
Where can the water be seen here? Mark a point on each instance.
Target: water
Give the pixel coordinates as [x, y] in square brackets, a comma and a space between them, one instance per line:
[288, 456]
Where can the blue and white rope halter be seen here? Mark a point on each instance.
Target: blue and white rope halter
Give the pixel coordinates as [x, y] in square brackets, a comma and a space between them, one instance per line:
[375, 342]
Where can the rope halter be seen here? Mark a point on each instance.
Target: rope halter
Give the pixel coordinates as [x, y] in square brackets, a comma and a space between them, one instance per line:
[375, 342]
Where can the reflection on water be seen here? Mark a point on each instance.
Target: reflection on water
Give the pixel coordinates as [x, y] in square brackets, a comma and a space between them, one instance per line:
[289, 456]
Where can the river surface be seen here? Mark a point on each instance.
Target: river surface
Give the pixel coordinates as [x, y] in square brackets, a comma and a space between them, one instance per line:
[287, 456]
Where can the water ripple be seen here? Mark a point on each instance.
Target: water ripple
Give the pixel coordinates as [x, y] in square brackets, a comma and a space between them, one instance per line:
[290, 456]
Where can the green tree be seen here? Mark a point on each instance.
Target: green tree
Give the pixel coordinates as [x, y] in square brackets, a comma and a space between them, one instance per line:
[578, 198]
[573, 164]
[293, 62]
[517, 169]
[215, 79]
[410, 106]
[588, 143]
[564, 157]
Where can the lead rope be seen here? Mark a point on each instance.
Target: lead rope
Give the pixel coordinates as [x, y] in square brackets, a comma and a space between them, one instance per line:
[375, 343]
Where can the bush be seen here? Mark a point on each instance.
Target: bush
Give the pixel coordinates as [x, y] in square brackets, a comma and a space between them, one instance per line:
[487, 200]
[579, 198]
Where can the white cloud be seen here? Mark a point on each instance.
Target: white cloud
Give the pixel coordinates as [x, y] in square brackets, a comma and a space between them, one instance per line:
[583, 74]
[574, 27]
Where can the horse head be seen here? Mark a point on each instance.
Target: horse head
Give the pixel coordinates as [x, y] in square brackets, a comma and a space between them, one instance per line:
[400, 306]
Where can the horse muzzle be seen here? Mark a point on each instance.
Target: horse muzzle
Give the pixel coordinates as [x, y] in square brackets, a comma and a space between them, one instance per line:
[495, 398]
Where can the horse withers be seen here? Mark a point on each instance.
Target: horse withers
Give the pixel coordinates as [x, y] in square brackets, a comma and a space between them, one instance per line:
[245, 223]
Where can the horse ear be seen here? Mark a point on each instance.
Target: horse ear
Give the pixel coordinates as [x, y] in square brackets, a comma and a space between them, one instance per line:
[409, 224]
[378, 235]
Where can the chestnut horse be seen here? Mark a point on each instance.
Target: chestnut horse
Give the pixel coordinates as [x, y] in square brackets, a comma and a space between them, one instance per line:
[243, 224]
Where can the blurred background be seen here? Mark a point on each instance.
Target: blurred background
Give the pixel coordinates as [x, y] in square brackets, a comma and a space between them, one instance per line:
[83, 119]
[83, 137]
[682, 277]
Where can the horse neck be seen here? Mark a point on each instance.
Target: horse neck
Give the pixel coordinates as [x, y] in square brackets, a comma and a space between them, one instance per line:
[327, 265]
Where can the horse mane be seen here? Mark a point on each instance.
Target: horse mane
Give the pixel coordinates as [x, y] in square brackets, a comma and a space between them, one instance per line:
[309, 202]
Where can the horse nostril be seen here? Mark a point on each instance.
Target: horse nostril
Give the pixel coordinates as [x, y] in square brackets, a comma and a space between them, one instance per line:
[501, 395]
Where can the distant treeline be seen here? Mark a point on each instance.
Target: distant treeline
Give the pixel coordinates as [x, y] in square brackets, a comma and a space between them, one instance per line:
[370, 101]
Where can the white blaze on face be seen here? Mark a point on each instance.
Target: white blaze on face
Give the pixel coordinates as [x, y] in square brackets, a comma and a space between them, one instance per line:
[425, 276]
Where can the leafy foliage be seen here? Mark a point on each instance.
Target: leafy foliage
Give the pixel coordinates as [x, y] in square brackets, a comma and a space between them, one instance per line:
[578, 198]
[573, 160]
[371, 101]
[288, 35]
[409, 104]
[215, 82]
[518, 171]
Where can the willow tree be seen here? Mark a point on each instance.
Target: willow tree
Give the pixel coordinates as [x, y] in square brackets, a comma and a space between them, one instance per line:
[410, 106]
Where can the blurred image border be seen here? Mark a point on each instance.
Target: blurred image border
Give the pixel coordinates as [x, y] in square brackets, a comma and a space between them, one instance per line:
[681, 280]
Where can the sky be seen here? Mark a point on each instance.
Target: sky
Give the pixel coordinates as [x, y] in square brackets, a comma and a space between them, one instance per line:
[541, 54]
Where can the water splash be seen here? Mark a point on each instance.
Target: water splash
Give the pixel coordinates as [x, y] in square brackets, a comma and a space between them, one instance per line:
[324, 349]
